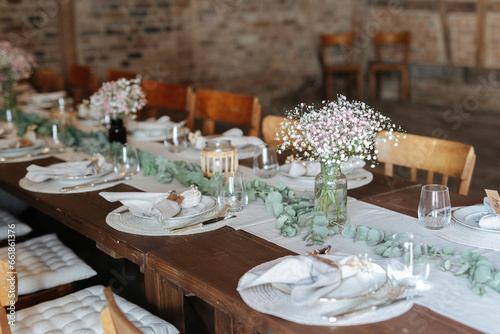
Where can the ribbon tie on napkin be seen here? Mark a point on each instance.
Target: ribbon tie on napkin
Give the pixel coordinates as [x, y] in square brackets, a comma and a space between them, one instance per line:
[490, 221]
[155, 205]
[236, 137]
[71, 169]
[310, 279]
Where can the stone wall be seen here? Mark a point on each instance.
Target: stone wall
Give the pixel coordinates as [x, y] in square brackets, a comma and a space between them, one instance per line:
[269, 48]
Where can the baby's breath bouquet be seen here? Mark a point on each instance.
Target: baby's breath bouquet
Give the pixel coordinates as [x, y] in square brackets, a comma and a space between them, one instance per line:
[118, 98]
[331, 134]
[15, 64]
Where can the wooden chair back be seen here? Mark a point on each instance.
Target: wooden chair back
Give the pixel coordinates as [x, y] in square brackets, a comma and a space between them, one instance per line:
[49, 81]
[82, 81]
[215, 106]
[342, 43]
[114, 75]
[112, 318]
[445, 157]
[383, 39]
[5, 294]
[167, 96]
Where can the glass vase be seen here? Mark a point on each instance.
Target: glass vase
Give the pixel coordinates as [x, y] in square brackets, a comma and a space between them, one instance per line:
[9, 101]
[117, 131]
[330, 190]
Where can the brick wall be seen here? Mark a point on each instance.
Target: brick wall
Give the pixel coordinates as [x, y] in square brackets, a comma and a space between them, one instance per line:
[266, 48]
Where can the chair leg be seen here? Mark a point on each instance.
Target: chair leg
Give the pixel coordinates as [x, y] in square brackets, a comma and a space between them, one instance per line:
[404, 86]
[359, 85]
[372, 84]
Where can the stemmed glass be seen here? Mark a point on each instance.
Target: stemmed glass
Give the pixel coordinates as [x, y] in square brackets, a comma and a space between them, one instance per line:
[176, 140]
[434, 209]
[126, 160]
[265, 161]
[233, 192]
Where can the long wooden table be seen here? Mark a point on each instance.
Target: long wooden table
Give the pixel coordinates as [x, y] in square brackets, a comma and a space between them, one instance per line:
[210, 264]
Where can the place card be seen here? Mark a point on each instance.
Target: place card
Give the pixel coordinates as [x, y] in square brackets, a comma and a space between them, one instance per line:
[494, 198]
[175, 197]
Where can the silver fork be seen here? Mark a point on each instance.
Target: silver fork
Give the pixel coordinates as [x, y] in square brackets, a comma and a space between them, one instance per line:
[390, 296]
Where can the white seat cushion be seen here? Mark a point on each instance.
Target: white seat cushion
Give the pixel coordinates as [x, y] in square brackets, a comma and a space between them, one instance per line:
[11, 226]
[79, 312]
[45, 262]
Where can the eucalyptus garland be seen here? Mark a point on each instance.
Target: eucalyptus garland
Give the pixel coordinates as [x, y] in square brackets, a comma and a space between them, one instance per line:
[292, 212]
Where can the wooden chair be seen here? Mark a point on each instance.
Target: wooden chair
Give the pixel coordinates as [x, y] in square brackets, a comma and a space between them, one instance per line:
[383, 40]
[114, 75]
[344, 43]
[49, 81]
[214, 106]
[112, 318]
[433, 155]
[82, 81]
[166, 96]
[80, 310]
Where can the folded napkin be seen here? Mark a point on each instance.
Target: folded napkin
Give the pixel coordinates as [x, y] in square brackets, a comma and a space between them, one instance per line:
[71, 169]
[151, 124]
[309, 278]
[308, 168]
[154, 205]
[490, 221]
[312, 168]
[236, 137]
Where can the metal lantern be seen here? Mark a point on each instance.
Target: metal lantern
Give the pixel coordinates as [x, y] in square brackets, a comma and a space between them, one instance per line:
[219, 156]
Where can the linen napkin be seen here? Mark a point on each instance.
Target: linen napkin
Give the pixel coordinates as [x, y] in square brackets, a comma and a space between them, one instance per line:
[312, 168]
[490, 221]
[71, 169]
[309, 278]
[155, 205]
[236, 137]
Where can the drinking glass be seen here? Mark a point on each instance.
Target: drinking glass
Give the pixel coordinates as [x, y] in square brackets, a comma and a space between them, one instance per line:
[434, 209]
[408, 259]
[233, 192]
[126, 160]
[265, 161]
[176, 140]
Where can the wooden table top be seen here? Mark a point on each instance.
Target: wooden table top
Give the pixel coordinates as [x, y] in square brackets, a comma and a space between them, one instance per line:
[210, 264]
[86, 213]
[212, 267]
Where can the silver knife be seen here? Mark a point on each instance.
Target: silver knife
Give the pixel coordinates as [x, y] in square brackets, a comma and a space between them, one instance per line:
[369, 308]
[122, 176]
[206, 222]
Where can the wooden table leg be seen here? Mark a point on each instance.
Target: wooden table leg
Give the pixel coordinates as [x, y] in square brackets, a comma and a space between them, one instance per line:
[225, 324]
[164, 299]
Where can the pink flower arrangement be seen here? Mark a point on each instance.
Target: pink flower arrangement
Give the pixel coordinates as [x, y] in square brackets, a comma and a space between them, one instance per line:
[335, 131]
[15, 63]
[119, 98]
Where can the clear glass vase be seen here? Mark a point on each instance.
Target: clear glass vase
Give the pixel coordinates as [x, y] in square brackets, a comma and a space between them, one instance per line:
[330, 193]
[9, 110]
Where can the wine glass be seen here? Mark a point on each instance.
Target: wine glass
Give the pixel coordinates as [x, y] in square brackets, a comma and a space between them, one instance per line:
[434, 209]
[126, 160]
[265, 161]
[233, 192]
[176, 139]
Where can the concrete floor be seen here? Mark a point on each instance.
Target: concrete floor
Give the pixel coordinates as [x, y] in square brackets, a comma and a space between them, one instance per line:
[480, 129]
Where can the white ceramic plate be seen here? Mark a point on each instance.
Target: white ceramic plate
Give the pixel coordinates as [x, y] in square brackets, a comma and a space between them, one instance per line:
[8, 149]
[470, 216]
[207, 203]
[106, 169]
[359, 285]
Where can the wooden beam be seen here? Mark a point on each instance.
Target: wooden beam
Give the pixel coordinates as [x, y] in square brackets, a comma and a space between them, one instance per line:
[67, 38]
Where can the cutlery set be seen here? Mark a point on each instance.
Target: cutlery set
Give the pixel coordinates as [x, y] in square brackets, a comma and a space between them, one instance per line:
[44, 151]
[120, 177]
